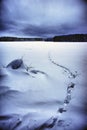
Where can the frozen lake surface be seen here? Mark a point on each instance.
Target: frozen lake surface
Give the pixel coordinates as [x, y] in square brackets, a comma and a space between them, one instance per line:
[43, 86]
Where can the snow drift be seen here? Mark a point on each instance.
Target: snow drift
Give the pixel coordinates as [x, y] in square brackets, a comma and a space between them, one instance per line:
[42, 86]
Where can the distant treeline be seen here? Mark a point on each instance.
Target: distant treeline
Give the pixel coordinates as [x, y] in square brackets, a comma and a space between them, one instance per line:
[62, 38]
[71, 38]
[19, 39]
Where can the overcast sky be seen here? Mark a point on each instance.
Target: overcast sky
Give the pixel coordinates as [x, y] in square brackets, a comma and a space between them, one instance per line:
[43, 12]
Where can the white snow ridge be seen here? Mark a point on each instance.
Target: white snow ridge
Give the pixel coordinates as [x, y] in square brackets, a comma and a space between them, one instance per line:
[43, 86]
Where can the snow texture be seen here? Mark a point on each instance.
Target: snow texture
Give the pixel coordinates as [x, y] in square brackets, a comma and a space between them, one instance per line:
[43, 86]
